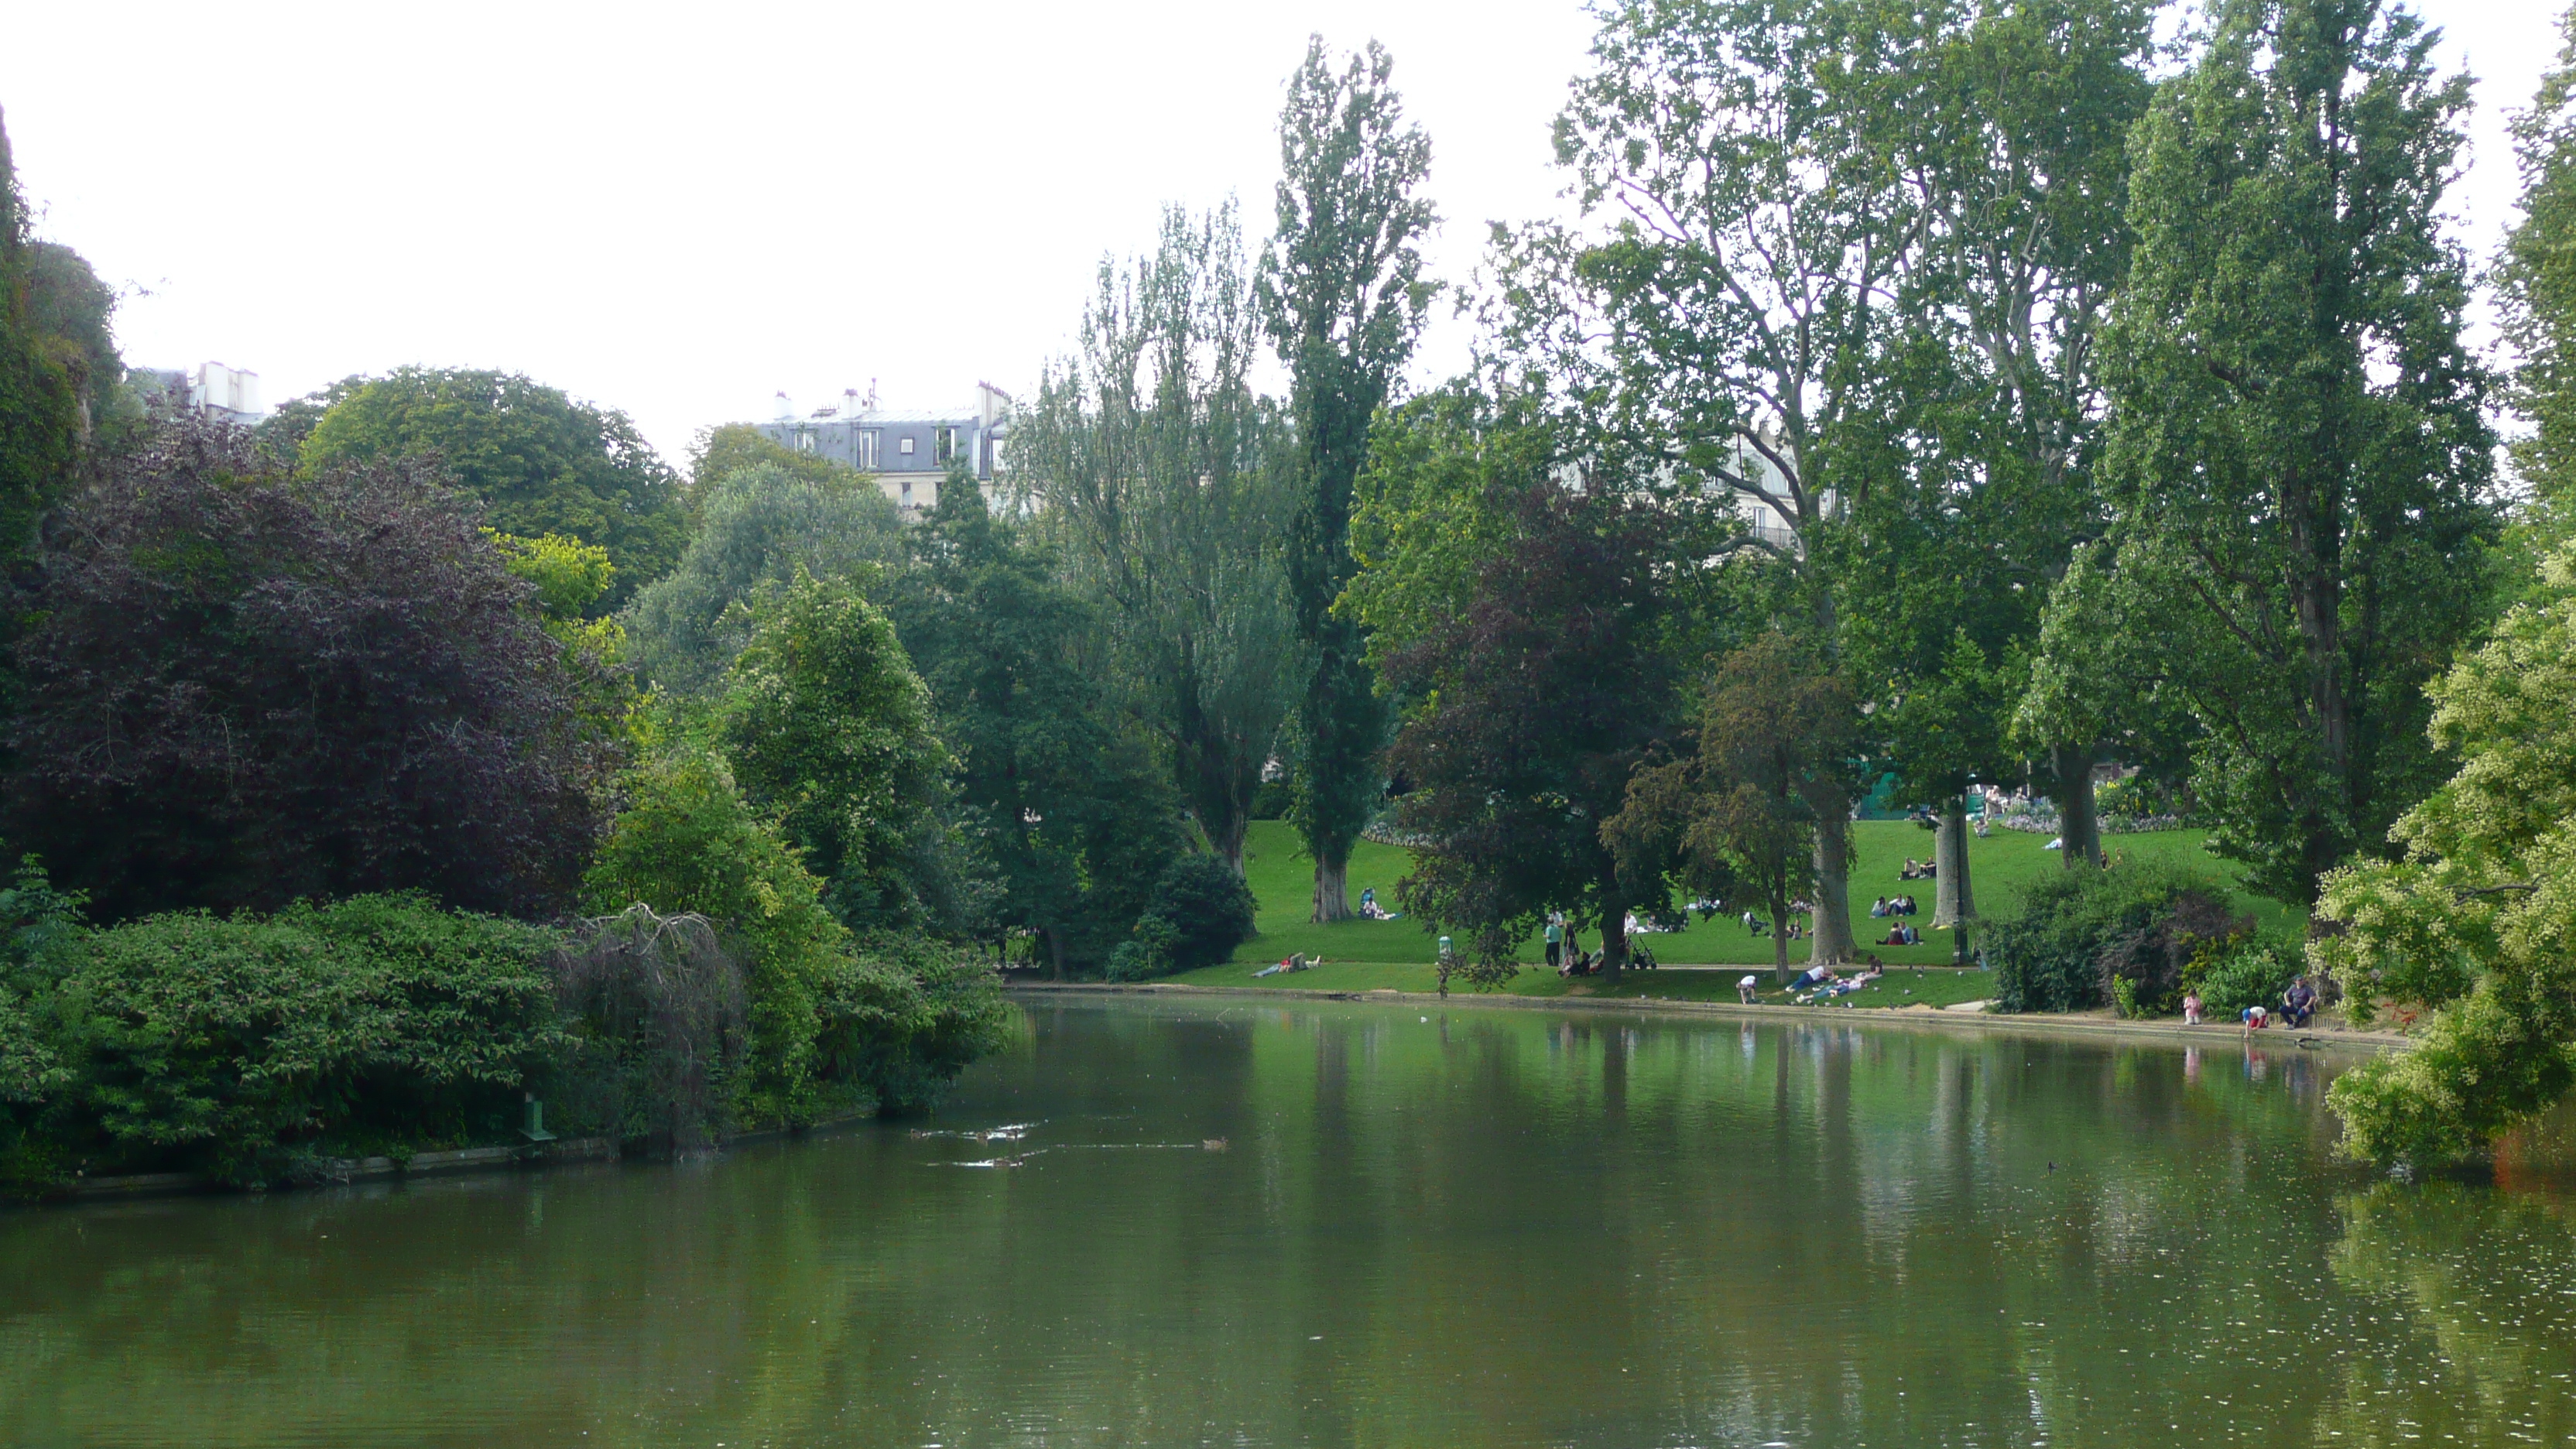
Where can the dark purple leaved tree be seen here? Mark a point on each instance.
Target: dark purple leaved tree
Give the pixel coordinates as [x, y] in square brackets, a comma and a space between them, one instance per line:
[243, 688]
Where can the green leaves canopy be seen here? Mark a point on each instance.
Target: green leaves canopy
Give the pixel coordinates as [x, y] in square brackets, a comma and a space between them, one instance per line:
[828, 728]
[541, 462]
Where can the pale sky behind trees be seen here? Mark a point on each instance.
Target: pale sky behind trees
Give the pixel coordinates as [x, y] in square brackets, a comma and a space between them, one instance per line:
[679, 210]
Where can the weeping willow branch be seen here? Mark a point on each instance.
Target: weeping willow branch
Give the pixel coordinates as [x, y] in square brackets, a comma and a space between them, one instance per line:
[663, 1001]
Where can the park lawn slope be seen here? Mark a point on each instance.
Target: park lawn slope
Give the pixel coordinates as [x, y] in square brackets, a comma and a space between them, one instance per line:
[1282, 881]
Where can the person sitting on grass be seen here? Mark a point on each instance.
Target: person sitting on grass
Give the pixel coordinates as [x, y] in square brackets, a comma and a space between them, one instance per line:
[2191, 1007]
[1878, 908]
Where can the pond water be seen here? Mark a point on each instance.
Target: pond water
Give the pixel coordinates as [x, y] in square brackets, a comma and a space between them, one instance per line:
[1328, 1224]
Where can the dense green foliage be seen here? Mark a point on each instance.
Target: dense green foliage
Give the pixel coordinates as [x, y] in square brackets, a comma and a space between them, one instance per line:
[2475, 921]
[829, 729]
[1537, 697]
[2537, 285]
[1199, 911]
[1062, 793]
[2298, 461]
[2079, 931]
[719, 453]
[834, 1019]
[1741, 803]
[40, 392]
[251, 1047]
[540, 462]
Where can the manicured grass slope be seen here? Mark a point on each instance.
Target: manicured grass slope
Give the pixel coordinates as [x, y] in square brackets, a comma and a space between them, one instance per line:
[1360, 955]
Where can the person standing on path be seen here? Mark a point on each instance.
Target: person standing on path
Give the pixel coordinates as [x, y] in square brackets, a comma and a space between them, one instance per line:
[1555, 939]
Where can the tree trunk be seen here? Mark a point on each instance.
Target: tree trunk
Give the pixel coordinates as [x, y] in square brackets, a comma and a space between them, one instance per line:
[1614, 941]
[1228, 840]
[1831, 940]
[1952, 900]
[2079, 834]
[1055, 949]
[1780, 937]
[1332, 891]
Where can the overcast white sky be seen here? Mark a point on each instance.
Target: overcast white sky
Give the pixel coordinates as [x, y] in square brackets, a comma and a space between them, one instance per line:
[679, 210]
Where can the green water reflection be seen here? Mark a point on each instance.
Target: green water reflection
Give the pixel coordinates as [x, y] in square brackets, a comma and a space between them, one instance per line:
[1489, 1227]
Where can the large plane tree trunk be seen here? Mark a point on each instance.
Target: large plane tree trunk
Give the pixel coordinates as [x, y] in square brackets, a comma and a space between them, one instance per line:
[1332, 891]
[1954, 902]
[1831, 940]
[2079, 832]
[1780, 936]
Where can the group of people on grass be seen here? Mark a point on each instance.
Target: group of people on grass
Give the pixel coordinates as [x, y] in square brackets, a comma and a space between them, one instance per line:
[1918, 869]
[1796, 930]
[1566, 956]
[1813, 985]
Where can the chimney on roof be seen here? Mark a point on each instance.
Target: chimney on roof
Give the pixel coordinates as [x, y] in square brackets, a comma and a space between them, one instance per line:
[786, 409]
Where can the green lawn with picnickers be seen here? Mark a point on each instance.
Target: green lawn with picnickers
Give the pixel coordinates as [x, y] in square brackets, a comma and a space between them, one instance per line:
[1367, 955]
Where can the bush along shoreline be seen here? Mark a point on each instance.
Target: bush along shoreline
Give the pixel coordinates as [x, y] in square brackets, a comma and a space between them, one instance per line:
[258, 1050]
[2136, 937]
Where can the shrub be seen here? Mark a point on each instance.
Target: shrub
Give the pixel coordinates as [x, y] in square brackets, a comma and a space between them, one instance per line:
[244, 1047]
[1148, 952]
[2079, 930]
[2249, 972]
[1208, 907]
[904, 1016]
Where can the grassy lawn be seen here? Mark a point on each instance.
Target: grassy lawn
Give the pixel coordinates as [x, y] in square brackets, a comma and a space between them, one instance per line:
[1363, 955]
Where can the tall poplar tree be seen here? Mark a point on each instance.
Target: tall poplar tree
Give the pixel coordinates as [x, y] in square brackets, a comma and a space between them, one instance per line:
[1342, 293]
[2537, 284]
[2298, 461]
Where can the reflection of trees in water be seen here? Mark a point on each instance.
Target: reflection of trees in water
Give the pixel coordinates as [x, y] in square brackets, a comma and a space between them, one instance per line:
[1493, 1227]
[2468, 1288]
